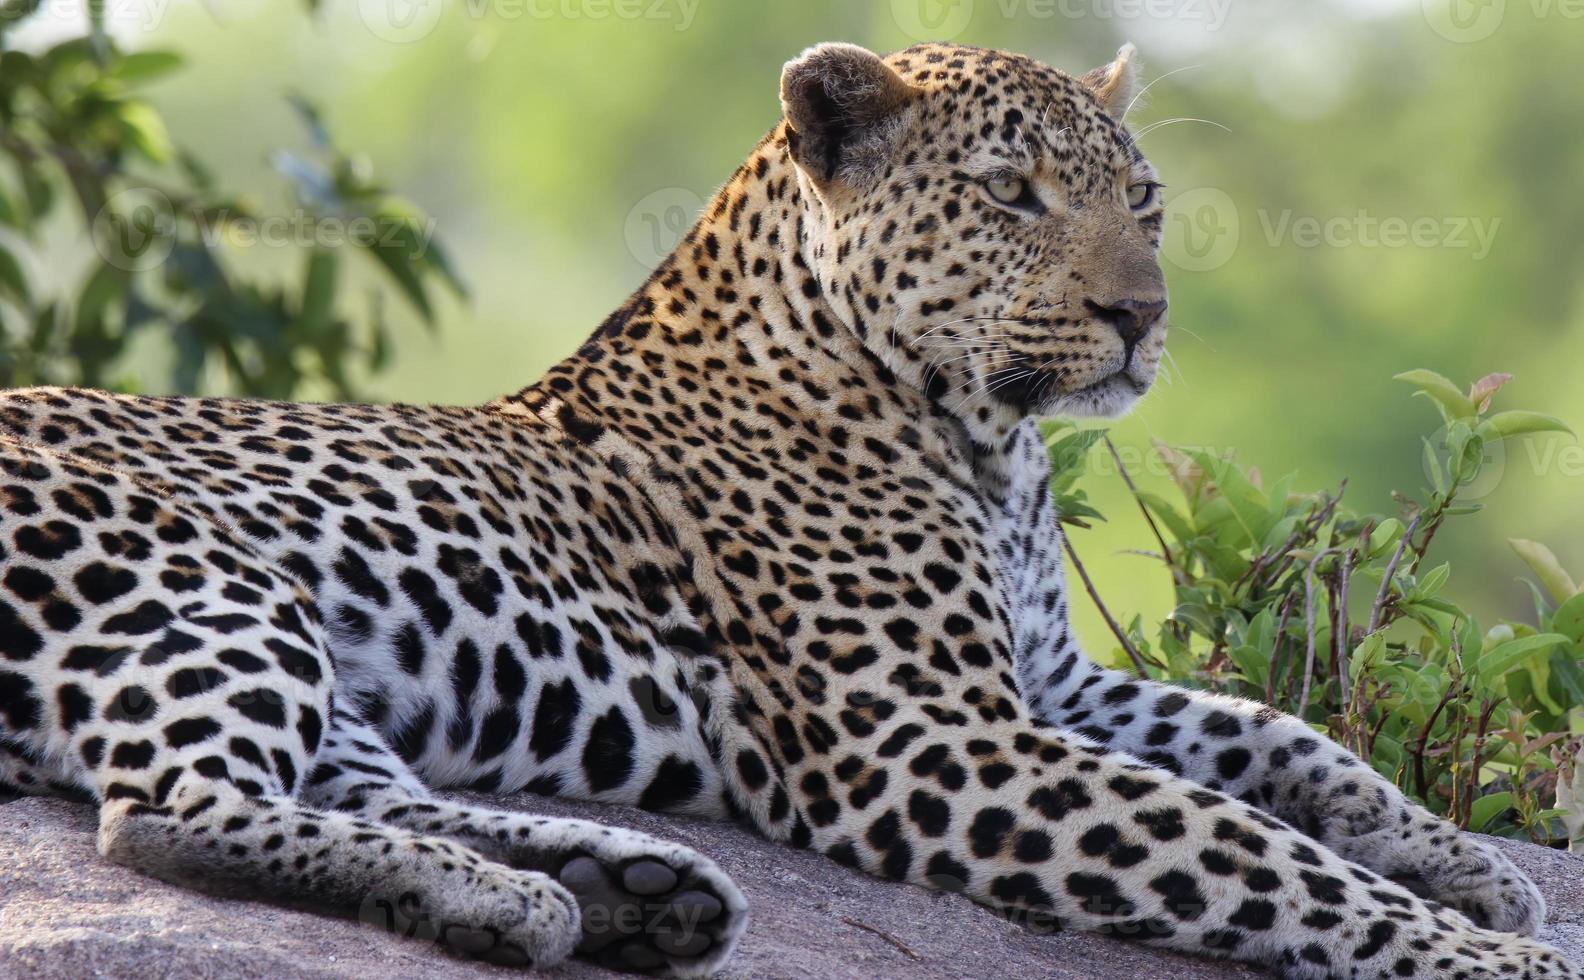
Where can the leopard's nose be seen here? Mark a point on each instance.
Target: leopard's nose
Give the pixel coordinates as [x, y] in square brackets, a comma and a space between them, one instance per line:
[1132, 319]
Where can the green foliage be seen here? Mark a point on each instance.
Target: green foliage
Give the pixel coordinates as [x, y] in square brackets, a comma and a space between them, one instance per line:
[170, 249]
[1340, 618]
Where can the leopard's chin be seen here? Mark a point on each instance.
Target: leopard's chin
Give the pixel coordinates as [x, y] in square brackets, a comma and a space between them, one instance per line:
[1109, 398]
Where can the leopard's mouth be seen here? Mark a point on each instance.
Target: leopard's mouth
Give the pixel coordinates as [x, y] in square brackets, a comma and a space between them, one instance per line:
[1038, 394]
[1110, 397]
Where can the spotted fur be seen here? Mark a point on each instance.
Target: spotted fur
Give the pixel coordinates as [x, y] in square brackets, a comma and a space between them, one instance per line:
[774, 544]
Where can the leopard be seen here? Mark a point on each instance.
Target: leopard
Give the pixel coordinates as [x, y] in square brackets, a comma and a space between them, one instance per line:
[775, 545]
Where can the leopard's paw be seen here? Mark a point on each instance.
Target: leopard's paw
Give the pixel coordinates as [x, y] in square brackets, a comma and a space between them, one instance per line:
[1476, 878]
[480, 910]
[648, 905]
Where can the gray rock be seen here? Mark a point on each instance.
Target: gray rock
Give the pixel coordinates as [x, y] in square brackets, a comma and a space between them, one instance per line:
[66, 913]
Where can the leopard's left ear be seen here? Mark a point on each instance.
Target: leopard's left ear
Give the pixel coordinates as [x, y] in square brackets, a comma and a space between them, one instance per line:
[838, 99]
[1116, 85]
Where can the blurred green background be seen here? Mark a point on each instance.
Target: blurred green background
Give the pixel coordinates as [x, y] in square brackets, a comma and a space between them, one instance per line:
[1357, 188]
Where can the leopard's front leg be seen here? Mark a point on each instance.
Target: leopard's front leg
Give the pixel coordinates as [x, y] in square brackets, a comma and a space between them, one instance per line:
[1277, 763]
[1057, 831]
[1251, 751]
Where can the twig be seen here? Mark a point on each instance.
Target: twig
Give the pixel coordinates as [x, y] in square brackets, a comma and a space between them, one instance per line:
[1166, 552]
[1340, 638]
[1310, 528]
[1127, 645]
[1487, 708]
[1424, 737]
[1281, 633]
[1391, 570]
[907, 950]
[1309, 619]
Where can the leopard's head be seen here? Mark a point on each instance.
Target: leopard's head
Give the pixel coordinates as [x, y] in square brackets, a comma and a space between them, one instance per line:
[986, 224]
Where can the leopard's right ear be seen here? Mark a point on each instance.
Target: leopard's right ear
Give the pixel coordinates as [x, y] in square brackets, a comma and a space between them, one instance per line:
[838, 100]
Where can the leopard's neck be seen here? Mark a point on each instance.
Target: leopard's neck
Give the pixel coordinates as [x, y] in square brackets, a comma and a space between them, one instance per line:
[735, 330]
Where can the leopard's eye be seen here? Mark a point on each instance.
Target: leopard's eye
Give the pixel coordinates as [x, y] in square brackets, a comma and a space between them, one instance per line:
[1140, 196]
[1007, 190]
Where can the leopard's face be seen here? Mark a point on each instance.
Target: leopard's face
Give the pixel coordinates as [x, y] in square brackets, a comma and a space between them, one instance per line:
[984, 223]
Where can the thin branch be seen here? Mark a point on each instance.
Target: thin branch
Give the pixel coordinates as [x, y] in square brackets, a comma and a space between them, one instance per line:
[1488, 708]
[1127, 645]
[1309, 618]
[1340, 637]
[1310, 528]
[1424, 737]
[907, 950]
[1281, 634]
[1149, 518]
[1391, 571]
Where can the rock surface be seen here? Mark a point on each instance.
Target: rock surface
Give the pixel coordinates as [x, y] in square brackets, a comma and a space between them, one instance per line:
[67, 914]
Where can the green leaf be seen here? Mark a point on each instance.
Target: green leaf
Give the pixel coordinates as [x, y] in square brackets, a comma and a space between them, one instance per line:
[1540, 682]
[13, 279]
[1280, 491]
[1250, 663]
[1262, 632]
[1469, 640]
[1433, 469]
[1248, 504]
[39, 190]
[1488, 808]
[1175, 522]
[1505, 424]
[1069, 453]
[1569, 675]
[145, 66]
[9, 213]
[1503, 657]
[1544, 564]
[106, 286]
[1279, 533]
[1466, 451]
[1569, 620]
[1449, 398]
[1385, 536]
[319, 288]
[1433, 581]
[146, 130]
